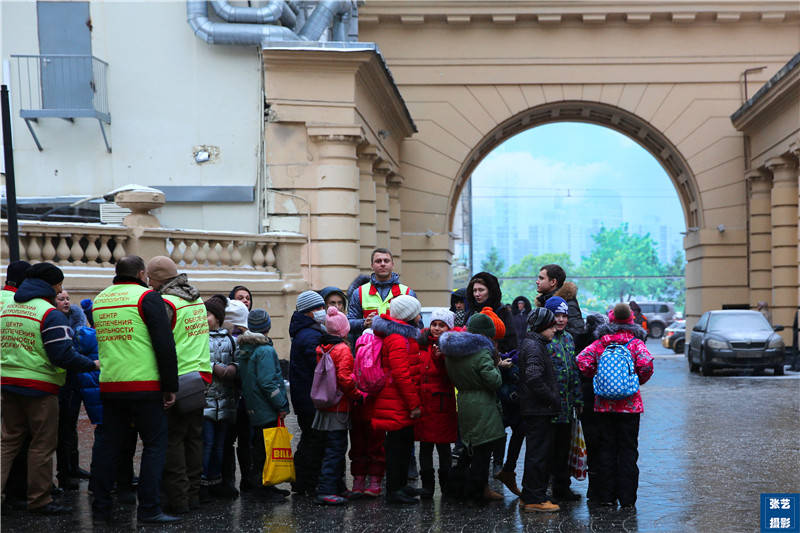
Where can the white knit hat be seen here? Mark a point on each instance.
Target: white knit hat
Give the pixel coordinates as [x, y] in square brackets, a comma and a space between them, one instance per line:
[404, 307]
[236, 313]
[445, 315]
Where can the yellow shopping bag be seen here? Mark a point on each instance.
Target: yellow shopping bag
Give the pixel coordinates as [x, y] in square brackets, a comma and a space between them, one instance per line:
[279, 466]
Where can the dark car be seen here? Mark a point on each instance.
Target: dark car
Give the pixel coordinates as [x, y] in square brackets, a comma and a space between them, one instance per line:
[735, 339]
[674, 336]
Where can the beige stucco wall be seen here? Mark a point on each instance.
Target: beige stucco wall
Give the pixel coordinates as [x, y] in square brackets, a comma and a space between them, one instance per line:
[678, 71]
[168, 92]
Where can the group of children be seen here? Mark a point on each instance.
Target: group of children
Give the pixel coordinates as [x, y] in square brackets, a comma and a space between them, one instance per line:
[443, 385]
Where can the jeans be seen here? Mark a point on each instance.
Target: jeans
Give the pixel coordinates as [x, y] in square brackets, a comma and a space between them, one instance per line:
[514, 447]
[617, 453]
[308, 457]
[558, 462]
[150, 421]
[214, 435]
[538, 441]
[331, 476]
[399, 447]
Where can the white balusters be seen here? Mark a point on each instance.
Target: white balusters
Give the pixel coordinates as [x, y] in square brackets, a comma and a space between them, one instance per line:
[75, 251]
[92, 253]
[236, 255]
[104, 252]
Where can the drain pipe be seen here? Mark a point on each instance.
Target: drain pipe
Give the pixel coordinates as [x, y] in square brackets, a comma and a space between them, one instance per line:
[275, 11]
[232, 33]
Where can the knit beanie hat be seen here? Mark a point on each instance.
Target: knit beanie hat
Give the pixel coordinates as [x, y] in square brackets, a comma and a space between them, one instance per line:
[309, 300]
[540, 318]
[15, 272]
[47, 272]
[557, 305]
[216, 307]
[481, 324]
[499, 327]
[621, 314]
[404, 307]
[336, 323]
[236, 313]
[161, 268]
[258, 321]
[445, 315]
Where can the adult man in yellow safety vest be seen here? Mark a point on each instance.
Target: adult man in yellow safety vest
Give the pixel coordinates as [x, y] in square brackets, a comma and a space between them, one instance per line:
[184, 466]
[138, 382]
[36, 349]
[373, 298]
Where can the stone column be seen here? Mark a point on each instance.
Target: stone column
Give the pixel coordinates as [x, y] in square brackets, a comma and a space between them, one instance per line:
[334, 199]
[381, 174]
[784, 240]
[395, 227]
[759, 185]
[366, 204]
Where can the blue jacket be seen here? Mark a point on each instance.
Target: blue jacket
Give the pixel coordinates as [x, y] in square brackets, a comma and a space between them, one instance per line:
[86, 343]
[355, 314]
[306, 335]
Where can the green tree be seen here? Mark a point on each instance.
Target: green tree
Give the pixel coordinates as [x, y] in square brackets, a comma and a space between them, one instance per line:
[529, 267]
[622, 256]
[493, 264]
[674, 290]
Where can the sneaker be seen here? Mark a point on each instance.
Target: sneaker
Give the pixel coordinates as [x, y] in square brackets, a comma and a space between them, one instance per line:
[509, 479]
[329, 499]
[359, 485]
[373, 486]
[544, 507]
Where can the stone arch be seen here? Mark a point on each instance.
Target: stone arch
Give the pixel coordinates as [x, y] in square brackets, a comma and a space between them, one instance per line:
[601, 114]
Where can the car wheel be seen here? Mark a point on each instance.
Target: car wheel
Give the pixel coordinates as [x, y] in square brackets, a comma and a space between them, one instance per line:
[705, 366]
[779, 370]
[678, 347]
[656, 330]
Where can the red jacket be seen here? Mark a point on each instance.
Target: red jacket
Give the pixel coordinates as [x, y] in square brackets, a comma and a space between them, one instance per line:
[439, 421]
[345, 380]
[392, 406]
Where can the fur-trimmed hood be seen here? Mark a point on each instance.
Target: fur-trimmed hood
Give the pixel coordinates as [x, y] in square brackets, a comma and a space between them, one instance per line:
[463, 344]
[384, 326]
[568, 291]
[251, 337]
[612, 328]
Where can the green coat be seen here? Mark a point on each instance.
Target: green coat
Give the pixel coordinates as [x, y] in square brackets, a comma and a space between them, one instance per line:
[263, 387]
[468, 358]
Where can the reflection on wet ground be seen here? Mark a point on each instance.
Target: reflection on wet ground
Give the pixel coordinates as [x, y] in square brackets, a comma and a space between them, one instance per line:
[708, 447]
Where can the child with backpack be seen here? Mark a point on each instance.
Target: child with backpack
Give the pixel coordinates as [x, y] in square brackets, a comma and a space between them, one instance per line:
[438, 424]
[334, 373]
[619, 362]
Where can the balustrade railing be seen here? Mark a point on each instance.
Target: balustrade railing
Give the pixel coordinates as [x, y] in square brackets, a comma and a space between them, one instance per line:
[100, 245]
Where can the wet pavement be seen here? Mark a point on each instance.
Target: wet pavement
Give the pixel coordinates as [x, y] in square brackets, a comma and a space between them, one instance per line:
[708, 447]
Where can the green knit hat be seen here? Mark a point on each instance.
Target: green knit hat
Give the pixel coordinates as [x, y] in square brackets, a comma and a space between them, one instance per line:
[481, 325]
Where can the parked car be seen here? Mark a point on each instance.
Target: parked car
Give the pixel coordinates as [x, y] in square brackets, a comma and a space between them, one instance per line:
[658, 315]
[674, 336]
[735, 339]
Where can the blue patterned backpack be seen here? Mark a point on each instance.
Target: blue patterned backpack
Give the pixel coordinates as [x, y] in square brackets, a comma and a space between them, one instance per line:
[616, 377]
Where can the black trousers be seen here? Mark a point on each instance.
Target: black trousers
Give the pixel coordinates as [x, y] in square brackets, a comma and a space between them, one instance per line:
[426, 456]
[69, 407]
[589, 424]
[514, 447]
[308, 457]
[617, 453]
[399, 447]
[241, 434]
[479, 467]
[558, 463]
[538, 441]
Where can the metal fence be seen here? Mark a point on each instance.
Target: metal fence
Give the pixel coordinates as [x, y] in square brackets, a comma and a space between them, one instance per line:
[63, 86]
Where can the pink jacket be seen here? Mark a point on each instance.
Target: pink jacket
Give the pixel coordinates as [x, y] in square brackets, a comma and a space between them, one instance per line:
[642, 363]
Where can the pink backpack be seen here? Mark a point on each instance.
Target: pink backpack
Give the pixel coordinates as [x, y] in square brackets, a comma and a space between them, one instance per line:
[324, 389]
[370, 377]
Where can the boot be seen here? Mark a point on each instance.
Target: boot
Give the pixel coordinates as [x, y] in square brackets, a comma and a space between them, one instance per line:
[359, 485]
[491, 496]
[444, 478]
[509, 479]
[544, 507]
[428, 484]
[373, 486]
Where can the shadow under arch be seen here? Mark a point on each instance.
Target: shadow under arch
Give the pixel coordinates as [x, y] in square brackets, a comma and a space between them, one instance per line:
[615, 118]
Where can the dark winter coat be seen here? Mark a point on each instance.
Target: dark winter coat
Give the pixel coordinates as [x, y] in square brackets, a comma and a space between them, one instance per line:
[537, 388]
[306, 335]
[85, 341]
[562, 352]
[613, 333]
[263, 388]
[355, 314]
[509, 342]
[468, 358]
[575, 324]
[222, 397]
[520, 318]
[392, 406]
[439, 422]
[342, 358]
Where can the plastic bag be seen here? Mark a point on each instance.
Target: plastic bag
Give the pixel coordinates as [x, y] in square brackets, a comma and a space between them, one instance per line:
[578, 468]
[279, 466]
